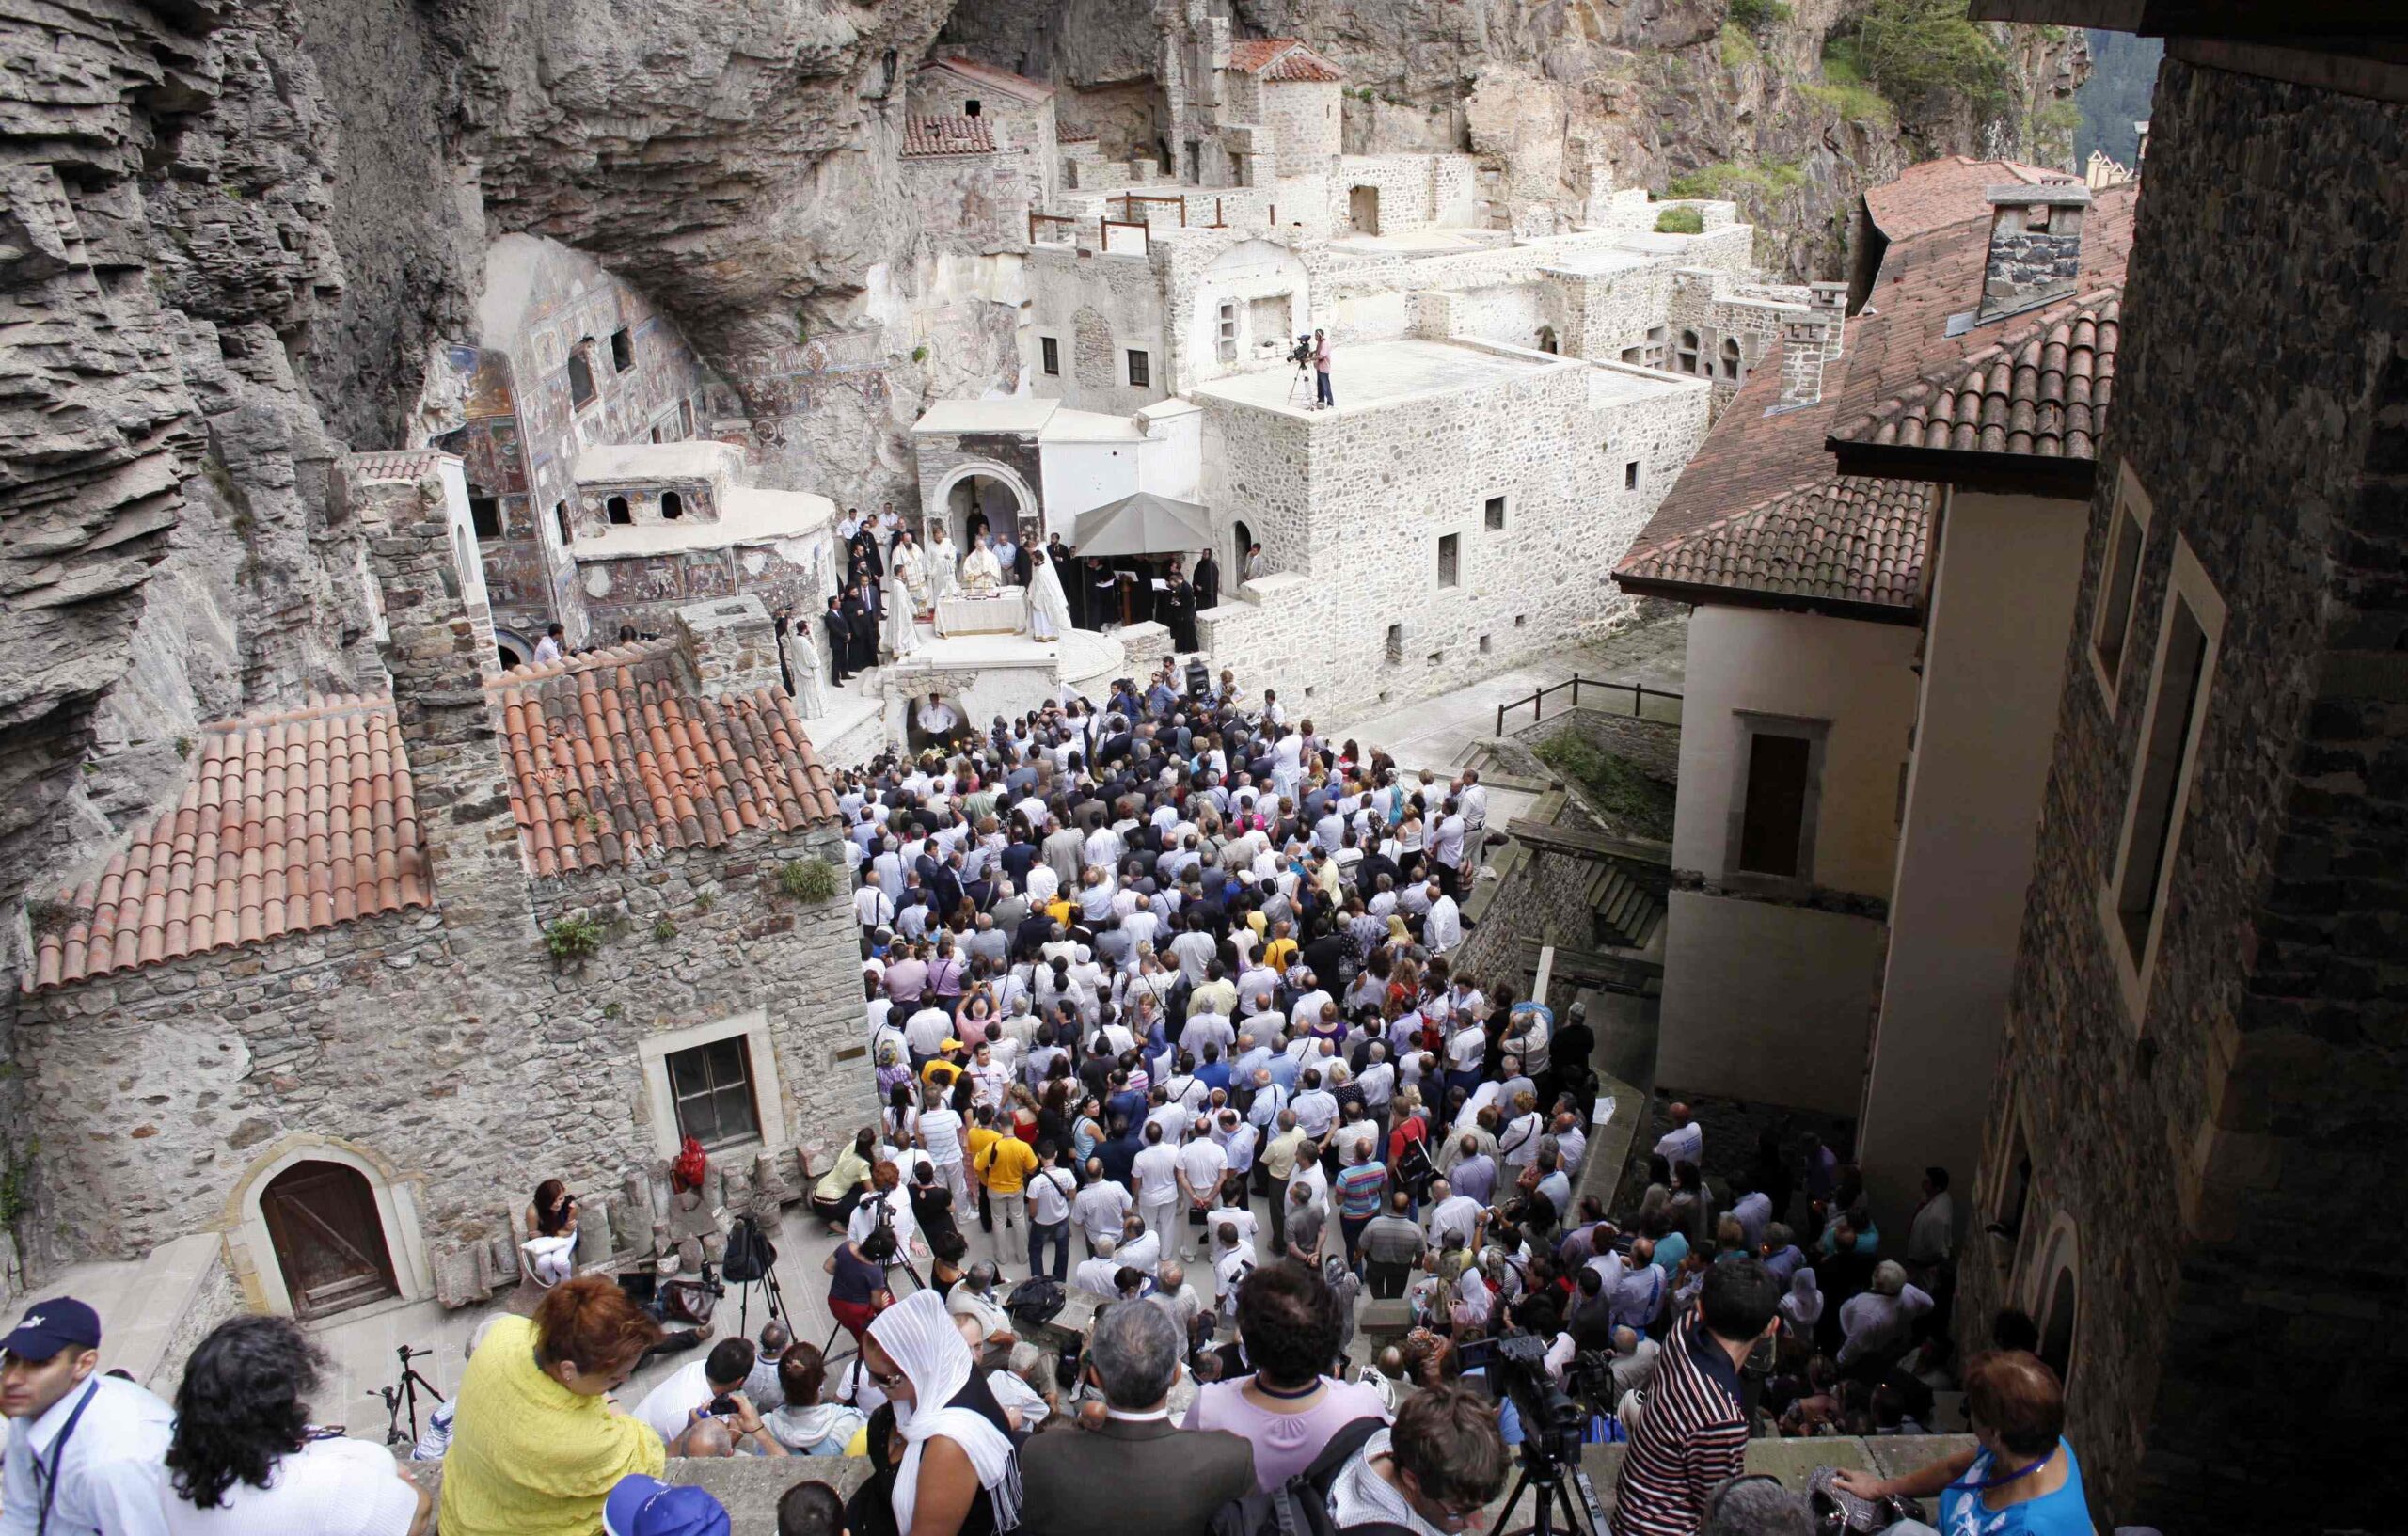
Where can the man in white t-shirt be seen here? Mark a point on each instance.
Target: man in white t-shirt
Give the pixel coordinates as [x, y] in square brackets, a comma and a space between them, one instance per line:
[941, 1129]
[1685, 1142]
[1155, 1170]
[1202, 1164]
[669, 1407]
[1100, 1208]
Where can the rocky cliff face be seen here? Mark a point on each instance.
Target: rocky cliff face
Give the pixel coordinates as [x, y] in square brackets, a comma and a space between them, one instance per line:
[232, 234]
[1706, 96]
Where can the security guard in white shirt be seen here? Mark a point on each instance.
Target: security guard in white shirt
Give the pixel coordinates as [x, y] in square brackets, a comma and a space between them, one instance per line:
[86, 1452]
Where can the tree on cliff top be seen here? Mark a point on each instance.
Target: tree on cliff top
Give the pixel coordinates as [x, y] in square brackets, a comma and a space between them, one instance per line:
[1916, 50]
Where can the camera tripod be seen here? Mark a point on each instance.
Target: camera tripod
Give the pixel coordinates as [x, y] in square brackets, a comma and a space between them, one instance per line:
[403, 1394]
[1544, 1475]
[1301, 390]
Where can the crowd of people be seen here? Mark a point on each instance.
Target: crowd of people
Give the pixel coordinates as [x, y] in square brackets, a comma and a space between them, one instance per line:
[1167, 1005]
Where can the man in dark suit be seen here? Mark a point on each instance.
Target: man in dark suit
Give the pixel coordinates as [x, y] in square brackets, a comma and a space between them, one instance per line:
[1134, 1469]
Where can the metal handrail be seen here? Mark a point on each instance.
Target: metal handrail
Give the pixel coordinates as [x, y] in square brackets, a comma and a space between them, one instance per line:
[1640, 693]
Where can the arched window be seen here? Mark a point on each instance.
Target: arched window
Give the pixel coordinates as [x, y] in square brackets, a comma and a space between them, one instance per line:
[1688, 354]
[560, 514]
[580, 376]
[1729, 356]
[671, 505]
[616, 510]
[1546, 339]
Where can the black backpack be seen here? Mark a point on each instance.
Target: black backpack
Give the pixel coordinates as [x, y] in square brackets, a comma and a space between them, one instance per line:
[1300, 1506]
[751, 1256]
[1035, 1301]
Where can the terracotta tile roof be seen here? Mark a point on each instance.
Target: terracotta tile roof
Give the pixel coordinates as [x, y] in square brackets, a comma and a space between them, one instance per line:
[1899, 337]
[926, 136]
[1075, 136]
[293, 821]
[1938, 193]
[1020, 86]
[2043, 389]
[1280, 58]
[404, 465]
[615, 755]
[1841, 541]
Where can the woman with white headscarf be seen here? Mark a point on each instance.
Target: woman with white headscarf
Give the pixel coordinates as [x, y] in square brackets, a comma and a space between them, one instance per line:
[959, 1475]
[1803, 1306]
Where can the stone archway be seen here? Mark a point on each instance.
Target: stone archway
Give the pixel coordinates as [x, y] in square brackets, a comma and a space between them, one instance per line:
[252, 1229]
[980, 488]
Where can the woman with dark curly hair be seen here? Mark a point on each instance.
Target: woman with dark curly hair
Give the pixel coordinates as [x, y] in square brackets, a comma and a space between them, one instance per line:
[244, 1459]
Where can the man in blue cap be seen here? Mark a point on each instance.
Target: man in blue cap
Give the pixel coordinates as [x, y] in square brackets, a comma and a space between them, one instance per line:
[645, 1506]
[86, 1452]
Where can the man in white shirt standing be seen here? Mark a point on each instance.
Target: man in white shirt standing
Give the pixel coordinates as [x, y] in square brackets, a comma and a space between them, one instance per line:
[1155, 1169]
[1201, 1164]
[86, 1452]
[1098, 1210]
[1685, 1142]
[1442, 927]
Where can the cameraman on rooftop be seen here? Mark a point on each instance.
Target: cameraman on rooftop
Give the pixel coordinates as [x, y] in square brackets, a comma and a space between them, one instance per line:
[1321, 370]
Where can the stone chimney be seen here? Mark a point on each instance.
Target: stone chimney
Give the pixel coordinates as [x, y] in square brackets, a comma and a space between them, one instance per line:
[437, 643]
[1807, 345]
[733, 643]
[2036, 247]
[1830, 302]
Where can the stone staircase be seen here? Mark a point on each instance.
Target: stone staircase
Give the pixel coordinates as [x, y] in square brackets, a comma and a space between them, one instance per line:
[1628, 915]
[153, 1309]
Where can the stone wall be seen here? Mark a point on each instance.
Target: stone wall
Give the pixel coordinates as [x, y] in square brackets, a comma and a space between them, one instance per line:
[2185, 1159]
[1302, 115]
[448, 1047]
[1096, 307]
[1354, 537]
[1653, 746]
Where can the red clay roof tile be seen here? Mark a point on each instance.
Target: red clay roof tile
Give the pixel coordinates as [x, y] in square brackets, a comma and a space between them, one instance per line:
[616, 754]
[1755, 455]
[1280, 58]
[924, 136]
[241, 857]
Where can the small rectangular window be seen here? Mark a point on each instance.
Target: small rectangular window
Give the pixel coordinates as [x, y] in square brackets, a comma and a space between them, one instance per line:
[1395, 654]
[1773, 821]
[1228, 339]
[2111, 623]
[1141, 370]
[1494, 513]
[1449, 560]
[580, 378]
[2166, 761]
[484, 515]
[623, 350]
[712, 1087]
[1050, 356]
[1630, 476]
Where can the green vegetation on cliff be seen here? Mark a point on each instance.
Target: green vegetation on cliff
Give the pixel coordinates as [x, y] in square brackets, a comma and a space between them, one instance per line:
[1923, 54]
[1731, 179]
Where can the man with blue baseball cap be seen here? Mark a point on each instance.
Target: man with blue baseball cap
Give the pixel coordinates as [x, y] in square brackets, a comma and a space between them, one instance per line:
[645, 1506]
[86, 1452]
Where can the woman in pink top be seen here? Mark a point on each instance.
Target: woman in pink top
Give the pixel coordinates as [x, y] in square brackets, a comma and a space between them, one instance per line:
[1288, 1409]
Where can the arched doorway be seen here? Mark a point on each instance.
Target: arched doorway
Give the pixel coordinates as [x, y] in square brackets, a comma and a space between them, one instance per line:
[513, 649]
[977, 503]
[1242, 540]
[329, 1237]
[2056, 1326]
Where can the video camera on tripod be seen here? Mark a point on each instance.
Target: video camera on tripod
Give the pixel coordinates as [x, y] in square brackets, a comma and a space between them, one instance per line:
[1554, 1422]
[1302, 352]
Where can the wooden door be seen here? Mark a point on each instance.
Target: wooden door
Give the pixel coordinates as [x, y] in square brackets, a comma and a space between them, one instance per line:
[329, 1241]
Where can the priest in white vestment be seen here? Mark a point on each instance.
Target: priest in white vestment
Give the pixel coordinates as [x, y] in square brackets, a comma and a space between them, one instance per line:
[912, 566]
[981, 574]
[902, 631]
[944, 565]
[1048, 607]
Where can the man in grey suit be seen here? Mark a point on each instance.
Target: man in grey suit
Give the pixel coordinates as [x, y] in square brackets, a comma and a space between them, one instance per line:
[1081, 1482]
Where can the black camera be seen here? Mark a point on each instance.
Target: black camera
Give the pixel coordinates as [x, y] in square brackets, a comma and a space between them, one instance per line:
[1302, 352]
[722, 1406]
[1552, 1419]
